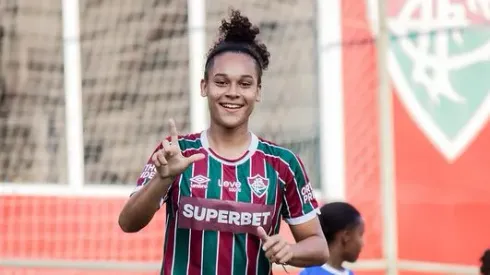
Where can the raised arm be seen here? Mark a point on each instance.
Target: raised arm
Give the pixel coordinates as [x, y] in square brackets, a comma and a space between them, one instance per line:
[144, 202]
[154, 185]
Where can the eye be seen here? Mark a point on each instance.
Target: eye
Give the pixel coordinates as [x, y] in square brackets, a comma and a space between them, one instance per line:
[245, 84]
[220, 83]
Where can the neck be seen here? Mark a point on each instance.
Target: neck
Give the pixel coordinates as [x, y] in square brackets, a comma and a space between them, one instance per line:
[229, 142]
[335, 260]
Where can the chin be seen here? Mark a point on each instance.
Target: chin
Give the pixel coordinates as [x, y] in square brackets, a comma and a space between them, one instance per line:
[231, 124]
[353, 259]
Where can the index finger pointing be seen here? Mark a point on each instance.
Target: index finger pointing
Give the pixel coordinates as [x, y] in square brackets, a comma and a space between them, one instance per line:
[174, 135]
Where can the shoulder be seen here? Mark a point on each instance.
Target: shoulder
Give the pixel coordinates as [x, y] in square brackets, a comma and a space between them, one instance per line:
[287, 162]
[274, 150]
[190, 141]
[186, 142]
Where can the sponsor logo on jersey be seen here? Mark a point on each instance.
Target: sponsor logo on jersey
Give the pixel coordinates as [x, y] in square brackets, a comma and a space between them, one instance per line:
[221, 215]
[258, 184]
[148, 171]
[199, 182]
[231, 186]
[307, 193]
[439, 64]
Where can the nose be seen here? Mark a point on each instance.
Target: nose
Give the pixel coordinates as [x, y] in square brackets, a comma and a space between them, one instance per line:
[233, 92]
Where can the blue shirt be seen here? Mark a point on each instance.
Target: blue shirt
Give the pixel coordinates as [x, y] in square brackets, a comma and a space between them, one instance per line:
[325, 270]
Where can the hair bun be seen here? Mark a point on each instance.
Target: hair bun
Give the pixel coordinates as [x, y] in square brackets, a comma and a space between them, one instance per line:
[238, 29]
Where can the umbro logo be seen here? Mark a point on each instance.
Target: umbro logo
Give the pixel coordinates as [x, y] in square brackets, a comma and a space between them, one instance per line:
[199, 182]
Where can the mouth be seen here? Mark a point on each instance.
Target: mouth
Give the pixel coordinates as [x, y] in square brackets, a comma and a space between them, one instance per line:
[231, 106]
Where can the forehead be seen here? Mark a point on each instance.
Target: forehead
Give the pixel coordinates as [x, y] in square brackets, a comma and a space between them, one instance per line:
[360, 226]
[234, 64]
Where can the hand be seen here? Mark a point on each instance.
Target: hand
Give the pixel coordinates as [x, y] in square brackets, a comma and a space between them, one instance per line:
[276, 248]
[169, 161]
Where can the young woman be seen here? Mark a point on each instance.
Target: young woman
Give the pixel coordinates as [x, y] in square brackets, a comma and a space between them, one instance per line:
[343, 228]
[225, 189]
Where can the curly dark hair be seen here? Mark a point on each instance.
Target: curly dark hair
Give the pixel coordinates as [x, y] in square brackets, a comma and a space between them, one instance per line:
[485, 263]
[239, 35]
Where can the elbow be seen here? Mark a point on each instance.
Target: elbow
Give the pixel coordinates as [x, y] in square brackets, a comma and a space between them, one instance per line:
[126, 225]
[324, 255]
[324, 252]
[320, 257]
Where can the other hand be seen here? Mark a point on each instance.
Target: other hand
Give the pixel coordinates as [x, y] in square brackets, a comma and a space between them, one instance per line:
[276, 248]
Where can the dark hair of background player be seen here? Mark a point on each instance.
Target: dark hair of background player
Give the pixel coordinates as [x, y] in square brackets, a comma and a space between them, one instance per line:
[485, 263]
[239, 35]
[338, 216]
[343, 228]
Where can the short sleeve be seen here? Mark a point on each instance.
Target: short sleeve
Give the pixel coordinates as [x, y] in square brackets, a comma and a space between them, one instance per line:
[300, 203]
[148, 172]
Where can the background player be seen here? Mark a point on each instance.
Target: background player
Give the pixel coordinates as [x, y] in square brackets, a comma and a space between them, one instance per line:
[485, 263]
[225, 187]
[343, 228]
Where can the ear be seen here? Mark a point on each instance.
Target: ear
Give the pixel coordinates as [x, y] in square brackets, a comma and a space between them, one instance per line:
[204, 88]
[259, 93]
[345, 236]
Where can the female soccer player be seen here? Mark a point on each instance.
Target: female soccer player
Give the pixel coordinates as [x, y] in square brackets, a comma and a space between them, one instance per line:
[225, 189]
[343, 228]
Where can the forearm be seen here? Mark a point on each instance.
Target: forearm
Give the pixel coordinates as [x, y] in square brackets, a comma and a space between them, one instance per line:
[310, 251]
[142, 206]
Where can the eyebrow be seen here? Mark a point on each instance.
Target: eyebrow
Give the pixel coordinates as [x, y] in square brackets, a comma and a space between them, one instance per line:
[225, 75]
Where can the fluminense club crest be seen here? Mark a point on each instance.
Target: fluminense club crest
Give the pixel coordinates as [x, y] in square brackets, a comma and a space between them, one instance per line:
[258, 184]
[439, 61]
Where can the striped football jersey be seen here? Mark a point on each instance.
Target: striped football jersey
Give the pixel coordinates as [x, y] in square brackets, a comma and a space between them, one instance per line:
[215, 206]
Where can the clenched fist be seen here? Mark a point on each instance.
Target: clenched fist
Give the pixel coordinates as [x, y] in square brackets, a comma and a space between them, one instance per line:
[169, 161]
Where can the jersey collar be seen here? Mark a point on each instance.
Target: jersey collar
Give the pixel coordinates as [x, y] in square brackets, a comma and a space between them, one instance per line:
[254, 143]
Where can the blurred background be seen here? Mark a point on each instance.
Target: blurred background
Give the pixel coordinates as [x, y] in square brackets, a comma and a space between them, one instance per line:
[388, 108]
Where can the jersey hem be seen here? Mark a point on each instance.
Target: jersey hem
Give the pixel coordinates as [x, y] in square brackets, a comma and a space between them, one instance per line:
[302, 219]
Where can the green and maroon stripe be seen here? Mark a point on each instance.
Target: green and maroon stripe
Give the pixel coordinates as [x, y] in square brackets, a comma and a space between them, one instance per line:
[257, 167]
[195, 252]
[169, 248]
[226, 239]
[240, 255]
[182, 236]
[210, 238]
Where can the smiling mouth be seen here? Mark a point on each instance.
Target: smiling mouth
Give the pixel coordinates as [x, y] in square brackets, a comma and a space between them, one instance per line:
[231, 106]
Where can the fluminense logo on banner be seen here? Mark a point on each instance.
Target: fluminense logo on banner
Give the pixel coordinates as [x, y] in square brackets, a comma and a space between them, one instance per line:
[439, 61]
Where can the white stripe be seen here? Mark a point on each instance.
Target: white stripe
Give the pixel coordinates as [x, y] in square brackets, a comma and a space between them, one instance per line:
[331, 97]
[303, 219]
